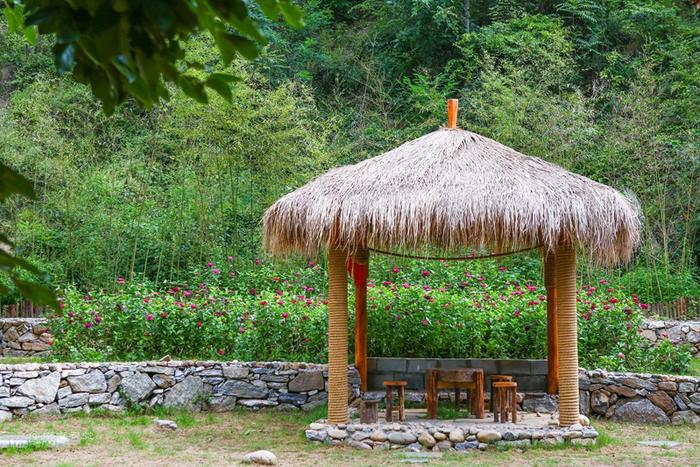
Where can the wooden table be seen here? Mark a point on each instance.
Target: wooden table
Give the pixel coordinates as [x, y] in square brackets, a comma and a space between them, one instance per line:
[471, 379]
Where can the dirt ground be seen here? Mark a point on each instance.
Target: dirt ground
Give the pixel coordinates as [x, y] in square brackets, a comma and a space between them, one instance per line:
[223, 439]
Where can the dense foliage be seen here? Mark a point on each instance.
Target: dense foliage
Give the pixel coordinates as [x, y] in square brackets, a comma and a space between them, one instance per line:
[607, 89]
[259, 312]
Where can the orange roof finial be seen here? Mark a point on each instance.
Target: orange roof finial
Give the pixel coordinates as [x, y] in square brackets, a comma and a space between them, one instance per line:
[452, 107]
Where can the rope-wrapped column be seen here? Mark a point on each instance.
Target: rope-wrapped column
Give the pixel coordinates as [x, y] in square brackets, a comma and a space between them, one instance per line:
[550, 285]
[337, 337]
[565, 273]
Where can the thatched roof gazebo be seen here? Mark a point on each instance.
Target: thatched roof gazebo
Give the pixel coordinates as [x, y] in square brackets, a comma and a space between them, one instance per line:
[445, 192]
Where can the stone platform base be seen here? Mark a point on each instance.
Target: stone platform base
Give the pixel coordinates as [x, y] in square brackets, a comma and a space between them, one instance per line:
[455, 435]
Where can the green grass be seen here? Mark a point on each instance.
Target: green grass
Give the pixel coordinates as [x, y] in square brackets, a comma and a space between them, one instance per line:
[694, 368]
[30, 447]
[20, 360]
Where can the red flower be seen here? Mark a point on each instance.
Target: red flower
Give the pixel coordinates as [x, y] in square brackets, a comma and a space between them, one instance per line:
[614, 300]
[199, 324]
[263, 303]
[425, 273]
[285, 315]
[643, 306]
[146, 300]
[517, 313]
[502, 269]
[253, 292]
[386, 283]
[121, 280]
[149, 317]
[163, 315]
[220, 352]
[396, 270]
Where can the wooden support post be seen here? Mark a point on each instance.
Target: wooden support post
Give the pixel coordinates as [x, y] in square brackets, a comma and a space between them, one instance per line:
[565, 272]
[337, 336]
[360, 269]
[552, 342]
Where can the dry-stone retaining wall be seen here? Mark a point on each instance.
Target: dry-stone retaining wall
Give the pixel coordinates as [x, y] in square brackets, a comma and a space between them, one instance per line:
[676, 331]
[641, 398]
[24, 337]
[217, 386]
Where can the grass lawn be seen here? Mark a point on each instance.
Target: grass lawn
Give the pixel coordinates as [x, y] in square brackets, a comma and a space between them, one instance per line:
[694, 369]
[222, 439]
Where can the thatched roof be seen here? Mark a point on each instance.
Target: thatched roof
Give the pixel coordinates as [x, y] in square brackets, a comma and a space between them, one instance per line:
[453, 190]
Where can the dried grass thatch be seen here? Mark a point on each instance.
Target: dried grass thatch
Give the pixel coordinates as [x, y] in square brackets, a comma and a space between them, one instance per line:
[452, 190]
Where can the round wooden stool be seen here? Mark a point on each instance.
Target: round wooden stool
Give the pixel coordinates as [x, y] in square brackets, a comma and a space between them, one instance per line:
[505, 400]
[400, 388]
[496, 379]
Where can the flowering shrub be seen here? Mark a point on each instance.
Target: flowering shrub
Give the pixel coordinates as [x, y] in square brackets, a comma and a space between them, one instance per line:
[258, 312]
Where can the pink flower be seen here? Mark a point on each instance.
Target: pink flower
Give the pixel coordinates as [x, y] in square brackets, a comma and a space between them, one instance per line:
[216, 271]
[644, 306]
[533, 303]
[187, 293]
[386, 283]
[542, 298]
[312, 264]
[98, 319]
[606, 307]
[502, 269]
[309, 301]
[425, 322]
[425, 273]
[531, 288]
[517, 313]
[210, 264]
[241, 330]
[220, 352]
[149, 317]
[603, 281]
[253, 292]
[193, 306]
[257, 261]
[285, 315]
[146, 300]
[395, 270]
[628, 311]
[88, 324]
[121, 280]
[263, 303]
[163, 315]
[621, 356]
[229, 258]
[71, 314]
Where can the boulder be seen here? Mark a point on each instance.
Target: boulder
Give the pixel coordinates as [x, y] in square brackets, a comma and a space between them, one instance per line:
[260, 457]
[136, 386]
[74, 400]
[685, 417]
[640, 411]
[599, 402]
[543, 404]
[16, 402]
[456, 436]
[400, 437]
[307, 381]
[42, 390]
[187, 394]
[235, 372]
[488, 436]
[90, 382]
[242, 389]
[49, 409]
[425, 439]
[222, 403]
[662, 401]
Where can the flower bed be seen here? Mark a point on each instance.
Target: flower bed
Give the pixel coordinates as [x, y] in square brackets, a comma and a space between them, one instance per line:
[262, 313]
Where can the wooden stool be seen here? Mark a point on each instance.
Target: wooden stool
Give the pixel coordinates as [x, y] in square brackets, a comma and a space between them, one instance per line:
[369, 411]
[400, 387]
[496, 379]
[505, 396]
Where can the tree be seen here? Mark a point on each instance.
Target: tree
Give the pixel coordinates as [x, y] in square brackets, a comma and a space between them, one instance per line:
[131, 48]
